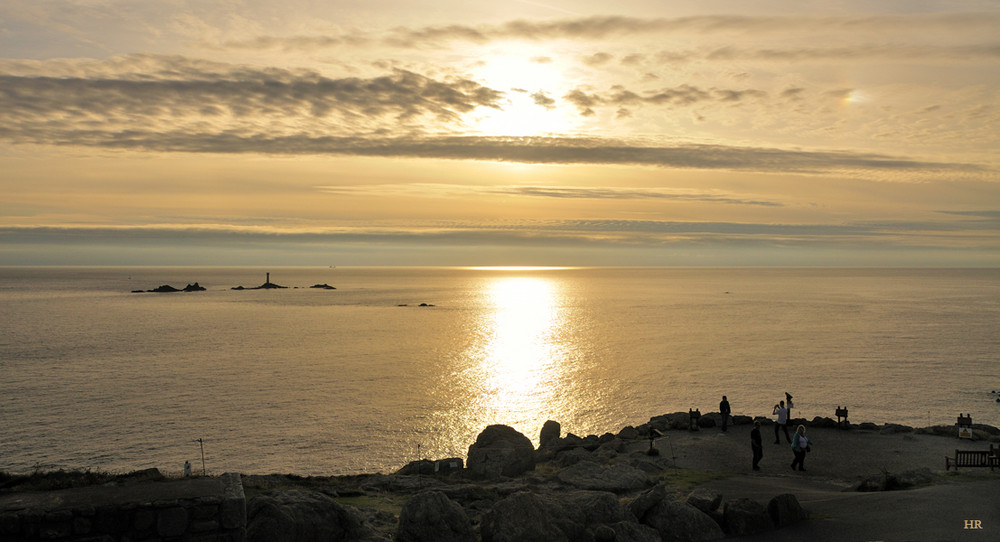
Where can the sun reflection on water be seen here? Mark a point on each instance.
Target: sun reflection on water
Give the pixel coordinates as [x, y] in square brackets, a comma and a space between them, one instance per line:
[518, 363]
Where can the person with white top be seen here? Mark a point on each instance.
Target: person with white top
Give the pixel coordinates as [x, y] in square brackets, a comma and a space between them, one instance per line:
[782, 422]
[800, 445]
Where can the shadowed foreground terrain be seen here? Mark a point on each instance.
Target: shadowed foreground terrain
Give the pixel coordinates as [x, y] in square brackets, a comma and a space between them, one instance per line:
[658, 481]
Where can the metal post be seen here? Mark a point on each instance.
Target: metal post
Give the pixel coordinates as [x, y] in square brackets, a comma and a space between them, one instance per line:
[204, 472]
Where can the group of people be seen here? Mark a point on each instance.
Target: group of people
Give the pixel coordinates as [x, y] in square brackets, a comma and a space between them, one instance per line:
[782, 411]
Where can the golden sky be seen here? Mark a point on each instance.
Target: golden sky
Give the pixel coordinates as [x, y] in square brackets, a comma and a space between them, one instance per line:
[638, 132]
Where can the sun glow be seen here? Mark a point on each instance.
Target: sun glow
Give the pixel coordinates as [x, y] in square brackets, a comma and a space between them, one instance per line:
[531, 87]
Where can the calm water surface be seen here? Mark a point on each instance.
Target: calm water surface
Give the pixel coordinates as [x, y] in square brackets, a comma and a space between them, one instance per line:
[363, 379]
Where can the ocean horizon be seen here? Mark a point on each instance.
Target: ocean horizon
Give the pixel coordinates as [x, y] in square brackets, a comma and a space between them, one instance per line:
[401, 363]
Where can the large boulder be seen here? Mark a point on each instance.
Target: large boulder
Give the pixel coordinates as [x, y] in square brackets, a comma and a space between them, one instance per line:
[550, 433]
[785, 510]
[628, 433]
[574, 456]
[573, 516]
[705, 500]
[646, 501]
[420, 466]
[743, 517]
[617, 478]
[677, 521]
[591, 508]
[630, 531]
[500, 451]
[303, 516]
[430, 516]
[522, 517]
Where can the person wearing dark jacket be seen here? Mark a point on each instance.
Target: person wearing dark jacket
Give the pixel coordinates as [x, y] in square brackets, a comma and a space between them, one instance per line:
[725, 411]
[756, 446]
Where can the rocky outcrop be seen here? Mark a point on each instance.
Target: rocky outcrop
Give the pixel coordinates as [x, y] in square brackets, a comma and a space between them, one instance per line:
[785, 510]
[429, 467]
[706, 501]
[679, 521]
[304, 516]
[550, 433]
[430, 516]
[592, 488]
[595, 476]
[500, 451]
[742, 517]
[890, 481]
[323, 286]
[166, 289]
[522, 517]
[577, 515]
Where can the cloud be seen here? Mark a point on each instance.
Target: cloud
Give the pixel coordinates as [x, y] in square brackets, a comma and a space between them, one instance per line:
[597, 59]
[985, 214]
[532, 150]
[556, 192]
[293, 43]
[540, 98]
[626, 193]
[172, 104]
[615, 27]
[563, 233]
[245, 97]
[682, 95]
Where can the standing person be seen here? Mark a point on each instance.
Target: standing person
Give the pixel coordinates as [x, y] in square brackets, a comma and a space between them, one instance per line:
[781, 422]
[800, 445]
[755, 445]
[725, 410]
[788, 403]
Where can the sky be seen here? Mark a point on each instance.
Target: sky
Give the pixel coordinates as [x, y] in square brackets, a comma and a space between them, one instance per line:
[457, 132]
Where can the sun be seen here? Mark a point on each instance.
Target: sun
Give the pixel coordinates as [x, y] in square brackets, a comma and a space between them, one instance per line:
[531, 106]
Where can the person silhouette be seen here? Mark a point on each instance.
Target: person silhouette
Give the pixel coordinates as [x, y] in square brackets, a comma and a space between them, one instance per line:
[781, 422]
[725, 411]
[800, 445]
[756, 446]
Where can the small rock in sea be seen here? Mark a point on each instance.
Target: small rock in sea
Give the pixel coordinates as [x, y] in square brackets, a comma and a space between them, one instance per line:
[323, 286]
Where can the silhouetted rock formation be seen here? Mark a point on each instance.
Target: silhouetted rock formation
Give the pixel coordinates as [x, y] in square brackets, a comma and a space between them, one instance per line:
[268, 285]
[323, 286]
[163, 289]
[500, 451]
[166, 288]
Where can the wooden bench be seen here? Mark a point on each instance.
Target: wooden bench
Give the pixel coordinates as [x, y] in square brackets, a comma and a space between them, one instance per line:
[973, 458]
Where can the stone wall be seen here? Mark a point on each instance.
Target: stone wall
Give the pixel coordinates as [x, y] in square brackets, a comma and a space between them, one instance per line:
[195, 510]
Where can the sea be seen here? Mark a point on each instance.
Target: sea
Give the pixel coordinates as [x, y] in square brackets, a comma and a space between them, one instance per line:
[396, 364]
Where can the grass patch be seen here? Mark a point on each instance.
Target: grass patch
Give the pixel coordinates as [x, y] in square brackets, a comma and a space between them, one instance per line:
[686, 479]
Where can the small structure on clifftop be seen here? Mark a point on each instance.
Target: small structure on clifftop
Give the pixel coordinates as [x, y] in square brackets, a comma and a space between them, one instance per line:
[268, 285]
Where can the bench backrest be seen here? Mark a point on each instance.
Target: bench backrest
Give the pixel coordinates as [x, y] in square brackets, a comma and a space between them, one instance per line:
[971, 457]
